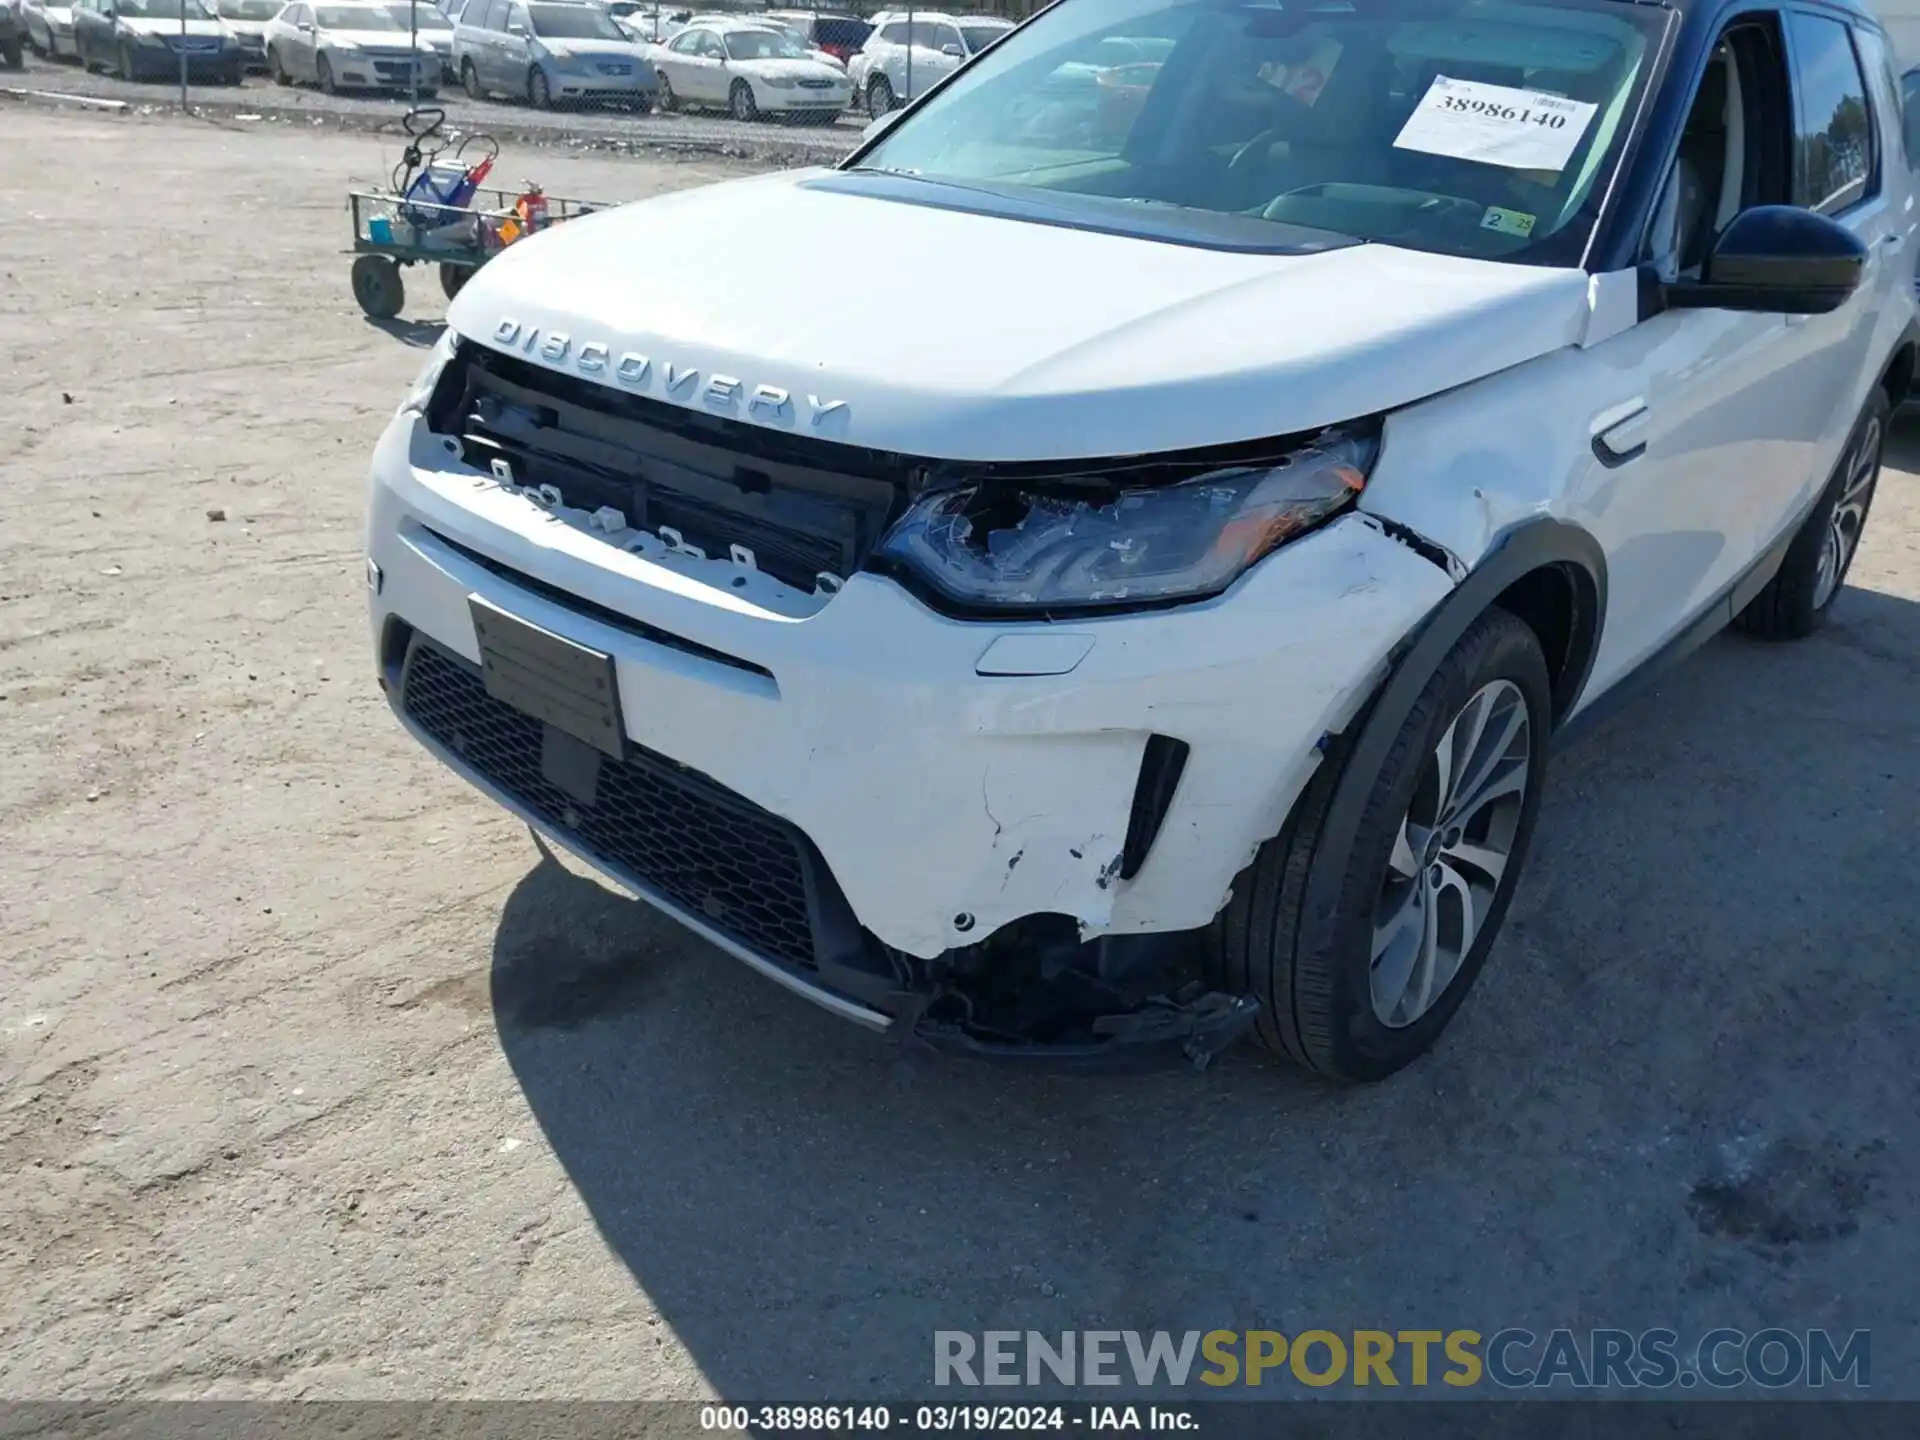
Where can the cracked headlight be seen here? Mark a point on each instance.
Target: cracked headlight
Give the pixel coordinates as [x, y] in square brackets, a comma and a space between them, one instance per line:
[421, 391]
[1132, 537]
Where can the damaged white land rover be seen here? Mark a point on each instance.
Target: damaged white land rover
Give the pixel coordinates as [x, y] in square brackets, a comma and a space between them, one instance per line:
[1165, 638]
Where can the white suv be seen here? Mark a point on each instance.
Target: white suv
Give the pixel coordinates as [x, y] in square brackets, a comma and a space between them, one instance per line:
[906, 56]
[1168, 640]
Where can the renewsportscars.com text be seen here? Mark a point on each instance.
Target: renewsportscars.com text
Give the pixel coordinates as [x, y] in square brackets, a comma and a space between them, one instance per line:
[1511, 1358]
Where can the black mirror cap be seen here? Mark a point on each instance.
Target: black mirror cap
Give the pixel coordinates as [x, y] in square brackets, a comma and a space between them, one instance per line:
[1777, 260]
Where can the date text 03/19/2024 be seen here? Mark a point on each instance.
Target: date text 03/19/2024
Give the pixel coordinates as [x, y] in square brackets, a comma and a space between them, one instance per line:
[941, 1419]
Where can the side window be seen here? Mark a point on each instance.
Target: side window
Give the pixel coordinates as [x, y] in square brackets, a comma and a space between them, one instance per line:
[894, 34]
[1833, 149]
[683, 43]
[1910, 115]
[517, 15]
[1732, 153]
[945, 37]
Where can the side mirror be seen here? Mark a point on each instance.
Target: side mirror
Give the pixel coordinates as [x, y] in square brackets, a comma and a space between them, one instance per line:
[515, 28]
[954, 50]
[1776, 260]
[879, 125]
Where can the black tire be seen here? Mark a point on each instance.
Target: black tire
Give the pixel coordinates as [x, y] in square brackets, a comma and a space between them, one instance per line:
[12, 54]
[1313, 973]
[453, 277]
[323, 76]
[539, 89]
[741, 104]
[378, 287]
[667, 99]
[277, 70]
[879, 96]
[470, 81]
[44, 52]
[1799, 597]
[125, 66]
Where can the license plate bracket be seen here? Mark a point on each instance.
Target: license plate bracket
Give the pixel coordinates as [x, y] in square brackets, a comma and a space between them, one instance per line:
[570, 686]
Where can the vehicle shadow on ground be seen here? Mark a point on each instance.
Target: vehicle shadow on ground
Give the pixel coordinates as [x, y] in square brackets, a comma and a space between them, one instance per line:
[420, 334]
[1681, 1094]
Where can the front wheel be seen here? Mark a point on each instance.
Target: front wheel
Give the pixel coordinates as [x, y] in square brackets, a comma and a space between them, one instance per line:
[1410, 867]
[277, 70]
[126, 67]
[879, 96]
[539, 89]
[667, 98]
[323, 76]
[741, 104]
[378, 287]
[1796, 601]
[470, 80]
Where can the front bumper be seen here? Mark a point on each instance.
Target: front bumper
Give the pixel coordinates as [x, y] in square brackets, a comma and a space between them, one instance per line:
[799, 101]
[583, 84]
[361, 73]
[945, 782]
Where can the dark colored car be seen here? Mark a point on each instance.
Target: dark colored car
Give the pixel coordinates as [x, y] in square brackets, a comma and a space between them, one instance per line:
[841, 36]
[13, 34]
[142, 39]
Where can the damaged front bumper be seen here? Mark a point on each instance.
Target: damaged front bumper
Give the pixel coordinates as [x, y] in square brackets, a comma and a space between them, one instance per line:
[1009, 837]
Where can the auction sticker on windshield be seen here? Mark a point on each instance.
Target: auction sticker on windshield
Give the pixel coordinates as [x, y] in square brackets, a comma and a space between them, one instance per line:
[1496, 125]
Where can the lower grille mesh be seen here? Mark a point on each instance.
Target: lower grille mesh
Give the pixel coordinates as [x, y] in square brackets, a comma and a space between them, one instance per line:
[713, 853]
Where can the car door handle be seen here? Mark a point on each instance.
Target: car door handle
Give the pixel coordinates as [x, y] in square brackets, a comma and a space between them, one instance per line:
[1620, 433]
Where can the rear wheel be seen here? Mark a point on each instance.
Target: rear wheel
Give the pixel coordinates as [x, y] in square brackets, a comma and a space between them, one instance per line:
[740, 102]
[1796, 601]
[453, 277]
[378, 287]
[1411, 880]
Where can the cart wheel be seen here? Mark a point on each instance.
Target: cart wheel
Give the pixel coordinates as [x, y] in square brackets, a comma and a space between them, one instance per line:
[377, 286]
[452, 277]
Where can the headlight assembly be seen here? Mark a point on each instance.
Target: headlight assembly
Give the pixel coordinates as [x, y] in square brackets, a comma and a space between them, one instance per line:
[1102, 541]
[421, 391]
[779, 82]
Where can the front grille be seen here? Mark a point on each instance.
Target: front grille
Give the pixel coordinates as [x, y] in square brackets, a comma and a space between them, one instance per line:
[710, 851]
[812, 84]
[802, 505]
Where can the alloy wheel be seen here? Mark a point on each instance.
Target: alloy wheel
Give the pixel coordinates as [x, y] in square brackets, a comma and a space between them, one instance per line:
[1859, 471]
[1451, 853]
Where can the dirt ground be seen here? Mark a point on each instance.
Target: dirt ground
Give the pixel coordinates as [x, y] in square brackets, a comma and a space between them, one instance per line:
[317, 1080]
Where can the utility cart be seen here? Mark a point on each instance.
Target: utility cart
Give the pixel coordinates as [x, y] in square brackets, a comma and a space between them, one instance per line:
[438, 213]
[391, 230]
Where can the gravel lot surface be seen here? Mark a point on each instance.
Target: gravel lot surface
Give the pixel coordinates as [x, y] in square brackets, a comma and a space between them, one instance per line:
[317, 1079]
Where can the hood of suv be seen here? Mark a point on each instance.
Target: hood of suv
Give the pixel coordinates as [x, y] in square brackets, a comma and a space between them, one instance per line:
[972, 337]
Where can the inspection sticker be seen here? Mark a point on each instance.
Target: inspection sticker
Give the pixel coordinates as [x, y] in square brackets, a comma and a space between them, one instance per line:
[1507, 222]
[1496, 125]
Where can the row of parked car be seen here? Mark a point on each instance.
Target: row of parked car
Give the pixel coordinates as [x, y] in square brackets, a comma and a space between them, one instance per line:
[805, 65]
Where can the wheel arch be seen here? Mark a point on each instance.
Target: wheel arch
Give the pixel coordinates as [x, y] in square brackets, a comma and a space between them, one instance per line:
[1552, 575]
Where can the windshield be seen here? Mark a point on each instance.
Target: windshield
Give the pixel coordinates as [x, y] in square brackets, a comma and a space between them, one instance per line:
[355, 17]
[573, 22]
[162, 9]
[429, 18]
[1481, 128]
[763, 45]
[249, 9]
[978, 37]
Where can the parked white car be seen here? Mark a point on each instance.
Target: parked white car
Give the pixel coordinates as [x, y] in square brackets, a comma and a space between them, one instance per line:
[904, 58]
[766, 21]
[50, 30]
[247, 19]
[748, 71]
[1166, 638]
[348, 45]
